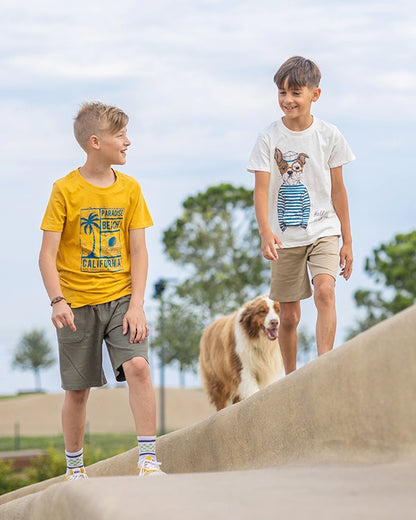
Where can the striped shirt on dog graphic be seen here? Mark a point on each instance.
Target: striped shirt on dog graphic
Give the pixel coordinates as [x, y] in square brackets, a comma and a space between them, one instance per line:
[293, 202]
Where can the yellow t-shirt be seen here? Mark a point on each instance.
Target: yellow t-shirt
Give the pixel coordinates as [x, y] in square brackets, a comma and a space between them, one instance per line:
[93, 259]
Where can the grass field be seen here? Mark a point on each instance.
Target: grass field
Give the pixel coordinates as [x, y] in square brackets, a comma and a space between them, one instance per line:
[109, 443]
[96, 447]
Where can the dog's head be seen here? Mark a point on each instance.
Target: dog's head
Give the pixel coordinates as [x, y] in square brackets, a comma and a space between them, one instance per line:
[261, 316]
[290, 166]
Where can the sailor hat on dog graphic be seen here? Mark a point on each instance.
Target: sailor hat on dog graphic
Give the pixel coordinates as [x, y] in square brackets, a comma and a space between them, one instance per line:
[293, 203]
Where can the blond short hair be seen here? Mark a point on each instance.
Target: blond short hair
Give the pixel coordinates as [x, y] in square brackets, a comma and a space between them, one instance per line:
[95, 118]
[299, 72]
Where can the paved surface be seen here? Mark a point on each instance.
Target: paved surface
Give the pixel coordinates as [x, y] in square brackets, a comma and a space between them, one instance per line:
[334, 440]
[382, 492]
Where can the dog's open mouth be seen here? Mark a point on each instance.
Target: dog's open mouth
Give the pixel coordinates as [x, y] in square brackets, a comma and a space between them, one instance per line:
[272, 334]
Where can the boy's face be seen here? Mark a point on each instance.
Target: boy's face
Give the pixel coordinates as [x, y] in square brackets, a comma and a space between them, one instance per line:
[296, 102]
[113, 146]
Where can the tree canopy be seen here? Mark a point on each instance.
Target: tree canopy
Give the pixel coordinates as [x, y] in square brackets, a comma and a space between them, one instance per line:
[178, 331]
[392, 266]
[33, 352]
[216, 241]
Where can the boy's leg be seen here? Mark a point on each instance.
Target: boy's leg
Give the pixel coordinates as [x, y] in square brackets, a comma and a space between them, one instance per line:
[130, 363]
[288, 336]
[324, 297]
[141, 395]
[73, 424]
[74, 412]
[143, 406]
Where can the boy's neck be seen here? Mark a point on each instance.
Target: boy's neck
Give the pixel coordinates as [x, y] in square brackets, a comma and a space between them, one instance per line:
[98, 176]
[298, 125]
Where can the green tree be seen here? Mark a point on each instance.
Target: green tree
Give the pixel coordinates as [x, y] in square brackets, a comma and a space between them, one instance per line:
[216, 242]
[178, 330]
[33, 352]
[392, 266]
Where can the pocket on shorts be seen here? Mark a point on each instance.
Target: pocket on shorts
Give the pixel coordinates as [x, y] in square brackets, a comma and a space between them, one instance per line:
[66, 335]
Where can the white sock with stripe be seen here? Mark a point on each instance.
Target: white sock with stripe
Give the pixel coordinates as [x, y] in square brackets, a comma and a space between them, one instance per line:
[74, 459]
[147, 446]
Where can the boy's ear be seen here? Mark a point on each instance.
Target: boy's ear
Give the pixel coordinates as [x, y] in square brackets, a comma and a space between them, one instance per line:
[94, 142]
[316, 93]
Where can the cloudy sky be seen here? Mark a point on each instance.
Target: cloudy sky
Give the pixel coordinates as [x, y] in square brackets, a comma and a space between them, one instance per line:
[196, 79]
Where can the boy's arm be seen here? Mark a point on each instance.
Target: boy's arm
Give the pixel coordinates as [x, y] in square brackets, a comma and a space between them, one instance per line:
[62, 315]
[261, 202]
[340, 202]
[135, 320]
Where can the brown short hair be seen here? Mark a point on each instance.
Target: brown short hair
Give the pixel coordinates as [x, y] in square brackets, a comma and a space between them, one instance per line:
[95, 118]
[299, 72]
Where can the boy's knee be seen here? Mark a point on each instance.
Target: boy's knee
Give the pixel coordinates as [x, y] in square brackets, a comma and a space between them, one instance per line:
[324, 290]
[77, 397]
[137, 367]
[289, 317]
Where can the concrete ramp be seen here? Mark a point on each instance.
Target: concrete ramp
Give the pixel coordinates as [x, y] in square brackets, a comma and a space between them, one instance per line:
[353, 406]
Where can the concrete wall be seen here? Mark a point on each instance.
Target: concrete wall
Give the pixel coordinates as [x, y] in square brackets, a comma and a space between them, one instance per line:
[355, 404]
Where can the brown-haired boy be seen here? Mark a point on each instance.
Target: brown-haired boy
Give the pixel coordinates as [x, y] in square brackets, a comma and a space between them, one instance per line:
[302, 207]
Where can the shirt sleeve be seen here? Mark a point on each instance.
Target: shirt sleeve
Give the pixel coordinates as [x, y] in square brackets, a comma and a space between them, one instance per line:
[141, 217]
[55, 213]
[341, 152]
[260, 156]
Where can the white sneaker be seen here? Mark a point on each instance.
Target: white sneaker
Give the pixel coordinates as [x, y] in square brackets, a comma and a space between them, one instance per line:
[76, 474]
[149, 467]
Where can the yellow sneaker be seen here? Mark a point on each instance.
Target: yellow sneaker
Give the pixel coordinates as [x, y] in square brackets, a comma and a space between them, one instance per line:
[149, 467]
[76, 474]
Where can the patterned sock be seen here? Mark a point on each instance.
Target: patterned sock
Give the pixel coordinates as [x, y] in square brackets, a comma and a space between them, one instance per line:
[74, 459]
[147, 446]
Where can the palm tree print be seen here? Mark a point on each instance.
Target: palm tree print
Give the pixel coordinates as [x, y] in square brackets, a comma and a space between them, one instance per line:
[88, 224]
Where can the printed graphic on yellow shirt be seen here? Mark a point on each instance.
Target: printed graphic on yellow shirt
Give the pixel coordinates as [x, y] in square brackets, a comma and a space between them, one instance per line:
[100, 239]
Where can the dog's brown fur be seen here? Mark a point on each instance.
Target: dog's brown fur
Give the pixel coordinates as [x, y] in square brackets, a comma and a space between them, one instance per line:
[240, 353]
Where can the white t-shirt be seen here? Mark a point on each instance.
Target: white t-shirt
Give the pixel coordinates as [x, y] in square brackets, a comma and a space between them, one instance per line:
[300, 204]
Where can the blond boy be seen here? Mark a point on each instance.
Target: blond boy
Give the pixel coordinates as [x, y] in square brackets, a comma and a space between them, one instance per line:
[94, 262]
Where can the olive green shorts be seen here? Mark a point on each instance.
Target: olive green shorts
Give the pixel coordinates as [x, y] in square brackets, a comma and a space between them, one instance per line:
[80, 352]
[290, 280]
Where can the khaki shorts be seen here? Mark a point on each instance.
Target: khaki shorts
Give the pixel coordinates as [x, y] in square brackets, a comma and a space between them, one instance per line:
[80, 352]
[289, 275]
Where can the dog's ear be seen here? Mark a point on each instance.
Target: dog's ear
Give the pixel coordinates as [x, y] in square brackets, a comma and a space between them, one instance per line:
[302, 157]
[278, 156]
[246, 316]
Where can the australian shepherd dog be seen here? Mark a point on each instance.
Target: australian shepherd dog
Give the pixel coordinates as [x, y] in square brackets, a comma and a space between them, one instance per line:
[240, 353]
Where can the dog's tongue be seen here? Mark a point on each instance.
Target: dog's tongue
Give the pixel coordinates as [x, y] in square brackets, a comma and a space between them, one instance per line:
[272, 334]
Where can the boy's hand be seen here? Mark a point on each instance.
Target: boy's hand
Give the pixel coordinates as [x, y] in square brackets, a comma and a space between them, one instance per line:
[62, 316]
[269, 243]
[345, 261]
[135, 322]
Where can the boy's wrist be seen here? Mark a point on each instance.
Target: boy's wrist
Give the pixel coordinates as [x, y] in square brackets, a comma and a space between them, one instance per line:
[57, 299]
[137, 303]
